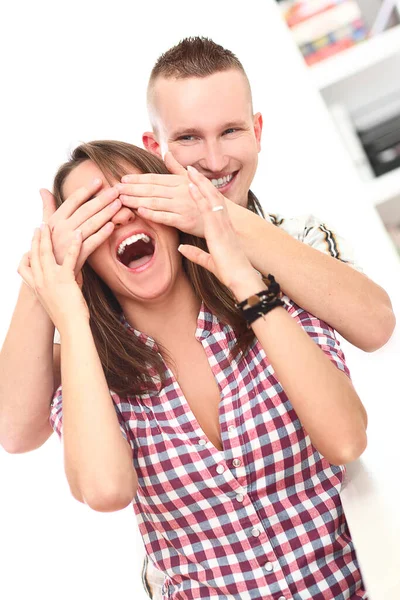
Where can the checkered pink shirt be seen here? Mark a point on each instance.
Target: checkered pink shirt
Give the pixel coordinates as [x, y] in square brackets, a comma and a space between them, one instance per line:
[261, 519]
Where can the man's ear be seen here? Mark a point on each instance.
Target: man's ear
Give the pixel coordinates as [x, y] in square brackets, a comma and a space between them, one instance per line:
[150, 143]
[258, 125]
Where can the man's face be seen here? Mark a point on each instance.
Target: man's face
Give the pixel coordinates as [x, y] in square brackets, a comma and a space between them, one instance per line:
[208, 123]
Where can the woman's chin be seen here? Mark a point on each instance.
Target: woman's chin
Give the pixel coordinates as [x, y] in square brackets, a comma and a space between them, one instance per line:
[151, 293]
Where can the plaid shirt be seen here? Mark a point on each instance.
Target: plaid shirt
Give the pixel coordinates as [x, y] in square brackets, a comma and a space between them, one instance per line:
[261, 519]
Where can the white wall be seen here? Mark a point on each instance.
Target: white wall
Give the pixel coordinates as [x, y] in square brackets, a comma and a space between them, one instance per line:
[77, 71]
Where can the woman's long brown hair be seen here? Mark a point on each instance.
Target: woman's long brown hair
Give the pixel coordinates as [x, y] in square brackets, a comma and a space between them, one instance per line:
[129, 365]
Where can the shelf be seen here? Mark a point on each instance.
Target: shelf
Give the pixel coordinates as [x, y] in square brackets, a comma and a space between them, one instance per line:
[357, 58]
[384, 188]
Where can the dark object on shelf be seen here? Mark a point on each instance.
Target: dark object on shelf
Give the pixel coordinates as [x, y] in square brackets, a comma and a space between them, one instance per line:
[382, 145]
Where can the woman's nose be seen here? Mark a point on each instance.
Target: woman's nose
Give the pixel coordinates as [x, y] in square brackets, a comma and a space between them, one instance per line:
[123, 216]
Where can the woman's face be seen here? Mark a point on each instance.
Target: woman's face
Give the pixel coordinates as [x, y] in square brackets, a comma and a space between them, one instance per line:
[139, 261]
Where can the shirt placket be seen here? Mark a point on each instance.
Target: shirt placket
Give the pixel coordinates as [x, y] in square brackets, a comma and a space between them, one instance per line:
[231, 472]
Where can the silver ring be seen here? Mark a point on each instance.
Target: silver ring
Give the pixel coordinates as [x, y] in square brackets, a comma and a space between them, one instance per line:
[217, 208]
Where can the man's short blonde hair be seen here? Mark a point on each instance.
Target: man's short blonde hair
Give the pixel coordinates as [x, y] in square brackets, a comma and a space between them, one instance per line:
[193, 57]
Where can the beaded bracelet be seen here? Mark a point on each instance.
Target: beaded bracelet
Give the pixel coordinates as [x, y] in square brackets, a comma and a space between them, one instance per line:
[260, 304]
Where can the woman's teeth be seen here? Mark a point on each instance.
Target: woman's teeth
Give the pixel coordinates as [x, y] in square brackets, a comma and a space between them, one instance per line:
[221, 181]
[132, 240]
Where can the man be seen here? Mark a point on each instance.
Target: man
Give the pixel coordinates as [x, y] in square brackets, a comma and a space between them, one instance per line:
[200, 106]
[222, 140]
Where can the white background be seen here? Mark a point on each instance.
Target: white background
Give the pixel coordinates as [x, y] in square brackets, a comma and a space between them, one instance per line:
[77, 71]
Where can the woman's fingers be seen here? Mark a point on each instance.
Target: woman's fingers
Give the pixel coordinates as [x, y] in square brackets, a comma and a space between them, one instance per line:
[46, 254]
[216, 219]
[93, 242]
[212, 198]
[198, 256]
[49, 204]
[73, 251]
[96, 212]
[227, 258]
[35, 259]
[79, 197]
[25, 271]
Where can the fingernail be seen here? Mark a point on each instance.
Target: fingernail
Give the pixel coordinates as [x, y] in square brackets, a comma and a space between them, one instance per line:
[42, 224]
[96, 181]
[125, 178]
[179, 247]
[116, 203]
[191, 169]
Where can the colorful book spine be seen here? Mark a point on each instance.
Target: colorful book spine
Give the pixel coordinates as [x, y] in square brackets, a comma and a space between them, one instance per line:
[322, 28]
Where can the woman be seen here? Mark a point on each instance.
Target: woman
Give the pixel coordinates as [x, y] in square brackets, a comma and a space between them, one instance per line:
[234, 420]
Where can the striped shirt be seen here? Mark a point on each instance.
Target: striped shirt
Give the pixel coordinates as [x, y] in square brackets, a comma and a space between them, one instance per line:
[261, 519]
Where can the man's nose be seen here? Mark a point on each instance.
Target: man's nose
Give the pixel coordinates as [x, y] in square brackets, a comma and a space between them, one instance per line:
[124, 216]
[214, 159]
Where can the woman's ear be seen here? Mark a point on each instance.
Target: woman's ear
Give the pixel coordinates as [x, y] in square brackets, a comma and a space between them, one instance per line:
[150, 143]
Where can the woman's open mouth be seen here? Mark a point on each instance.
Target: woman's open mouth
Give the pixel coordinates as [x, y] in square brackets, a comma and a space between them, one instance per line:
[136, 251]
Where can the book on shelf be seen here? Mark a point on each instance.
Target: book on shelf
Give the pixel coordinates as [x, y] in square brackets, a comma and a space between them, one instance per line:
[322, 28]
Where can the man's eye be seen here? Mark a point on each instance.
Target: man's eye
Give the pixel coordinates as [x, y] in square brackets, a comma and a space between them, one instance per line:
[230, 130]
[186, 138]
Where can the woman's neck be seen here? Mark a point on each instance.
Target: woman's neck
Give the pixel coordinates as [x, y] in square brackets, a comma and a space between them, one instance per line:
[173, 314]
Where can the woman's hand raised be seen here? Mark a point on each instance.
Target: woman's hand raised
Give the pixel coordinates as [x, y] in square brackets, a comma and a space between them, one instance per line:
[55, 285]
[83, 210]
[226, 258]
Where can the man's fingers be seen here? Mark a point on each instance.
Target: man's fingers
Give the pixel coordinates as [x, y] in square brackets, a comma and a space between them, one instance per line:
[147, 190]
[159, 216]
[153, 203]
[173, 165]
[153, 179]
[49, 204]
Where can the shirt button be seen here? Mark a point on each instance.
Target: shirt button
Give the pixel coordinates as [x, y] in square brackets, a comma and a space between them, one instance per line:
[231, 428]
[220, 469]
[281, 598]
[202, 442]
[236, 462]
[269, 567]
[240, 497]
[255, 532]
